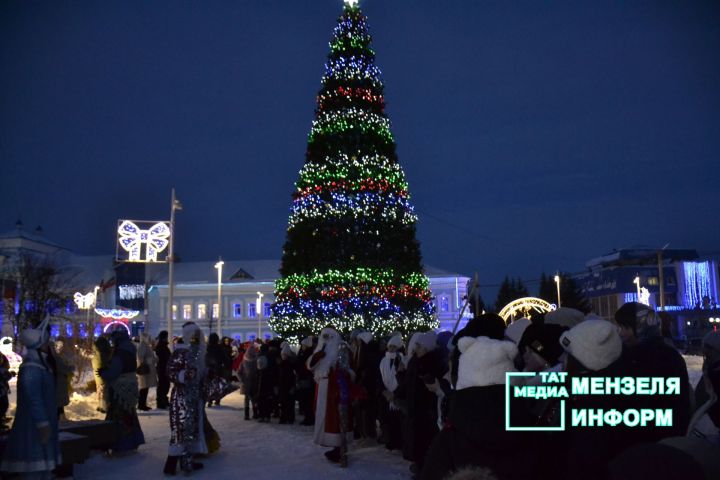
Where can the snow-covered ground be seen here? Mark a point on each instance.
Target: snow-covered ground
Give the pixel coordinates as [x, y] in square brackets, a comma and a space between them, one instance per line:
[249, 450]
[258, 450]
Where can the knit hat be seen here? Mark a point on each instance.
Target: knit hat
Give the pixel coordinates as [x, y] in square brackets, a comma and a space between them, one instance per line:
[543, 340]
[640, 317]
[365, 337]
[594, 343]
[514, 331]
[567, 317]
[484, 361]
[428, 340]
[395, 341]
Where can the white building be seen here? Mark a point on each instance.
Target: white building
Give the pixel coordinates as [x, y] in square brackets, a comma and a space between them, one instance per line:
[247, 293]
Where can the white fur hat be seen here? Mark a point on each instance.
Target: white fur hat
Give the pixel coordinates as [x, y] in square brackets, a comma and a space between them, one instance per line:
[565, 317]
[594, 343]
[396, 341]
[484, 361]
[515, 330]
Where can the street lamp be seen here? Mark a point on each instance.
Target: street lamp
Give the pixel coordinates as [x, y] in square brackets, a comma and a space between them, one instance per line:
[174, 205]
[557, 283]
[714, 322]
[257, 309]
[219, 267]
[636, 281]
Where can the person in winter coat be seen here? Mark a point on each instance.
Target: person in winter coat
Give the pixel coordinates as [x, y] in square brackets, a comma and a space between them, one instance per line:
[102, 352]
[392, 418]
[267, 383]
[33, 448]
[707, 392]
[422, 406]
[593, 349]
[121, 380]
[147, 370]
[365, 364]
[646, 354]
[162, 353]
[188, 374]
[63, 375]
[330, 364]
[305, 385]
[475, 434]
[286, 385]
[5, 376]
[249, 380]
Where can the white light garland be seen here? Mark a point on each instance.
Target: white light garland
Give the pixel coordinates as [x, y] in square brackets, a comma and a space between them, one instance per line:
[116, 313]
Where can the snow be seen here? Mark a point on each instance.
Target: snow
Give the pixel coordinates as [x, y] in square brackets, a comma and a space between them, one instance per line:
[249, 449]
[258, 450]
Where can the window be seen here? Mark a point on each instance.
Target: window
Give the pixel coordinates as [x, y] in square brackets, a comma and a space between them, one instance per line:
[237, 310]
[444, 304]
[215, 310]
[652, 280]
[187, 312]
[201, 311]
[267, 311]
[174, 312]
[252, 311]
[671, 280]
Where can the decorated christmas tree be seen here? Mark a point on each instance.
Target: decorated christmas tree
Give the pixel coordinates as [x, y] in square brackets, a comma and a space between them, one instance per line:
[351, 258]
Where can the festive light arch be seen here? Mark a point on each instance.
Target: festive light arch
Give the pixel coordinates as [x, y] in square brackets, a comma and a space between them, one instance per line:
[525, 305]
[117, 313]
[109, 326]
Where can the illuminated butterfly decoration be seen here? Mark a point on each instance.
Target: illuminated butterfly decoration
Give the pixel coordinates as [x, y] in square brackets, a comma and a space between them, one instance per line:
[84, 302]
[132, 237]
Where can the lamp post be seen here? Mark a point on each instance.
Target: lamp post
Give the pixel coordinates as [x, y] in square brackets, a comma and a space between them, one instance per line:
[174, 205]
[258, 312]
[219, 267]
[636, 281]
[557, 284]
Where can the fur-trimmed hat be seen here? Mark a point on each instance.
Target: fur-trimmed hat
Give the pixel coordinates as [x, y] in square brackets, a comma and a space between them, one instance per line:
[484, 361]
[564, 316]
[594, 343]
[514, 331]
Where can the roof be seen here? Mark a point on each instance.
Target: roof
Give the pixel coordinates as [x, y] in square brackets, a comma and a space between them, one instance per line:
[641, 256]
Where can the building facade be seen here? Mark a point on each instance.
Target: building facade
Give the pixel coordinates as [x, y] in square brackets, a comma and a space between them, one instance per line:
[689, 286]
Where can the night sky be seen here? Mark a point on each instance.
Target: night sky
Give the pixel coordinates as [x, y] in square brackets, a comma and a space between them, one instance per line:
[534, 135]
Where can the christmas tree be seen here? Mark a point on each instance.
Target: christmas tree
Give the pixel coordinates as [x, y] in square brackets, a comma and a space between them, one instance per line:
[351, 258]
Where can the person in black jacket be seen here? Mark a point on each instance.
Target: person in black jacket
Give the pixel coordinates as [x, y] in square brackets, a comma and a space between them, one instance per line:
[647, 354]
[475, 434]
[286, 385]
[162, 352]
[422, 403]
[305, 384]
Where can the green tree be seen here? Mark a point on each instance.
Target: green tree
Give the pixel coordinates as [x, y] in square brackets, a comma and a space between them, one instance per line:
[351, 257]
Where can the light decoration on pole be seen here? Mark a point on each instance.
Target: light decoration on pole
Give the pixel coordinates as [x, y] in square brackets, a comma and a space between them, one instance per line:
[557, 283]
[132, 238]
[636, 281]
[84, 301]
[219, 268]
[644, 297]
[258, 312]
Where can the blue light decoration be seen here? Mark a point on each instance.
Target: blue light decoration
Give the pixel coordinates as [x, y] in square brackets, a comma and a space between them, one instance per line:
[98, 330]
[363, 204]
[83, 330]
[69, 329]
[700, 284]
[54, 331]
[631, 297]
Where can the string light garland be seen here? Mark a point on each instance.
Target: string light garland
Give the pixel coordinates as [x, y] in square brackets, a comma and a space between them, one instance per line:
[351, 212]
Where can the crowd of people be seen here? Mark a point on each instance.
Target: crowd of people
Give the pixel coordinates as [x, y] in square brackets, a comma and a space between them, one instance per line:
[441, 399]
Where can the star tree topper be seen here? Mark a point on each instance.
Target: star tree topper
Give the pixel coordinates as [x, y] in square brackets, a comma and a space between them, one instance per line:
[351, 3]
